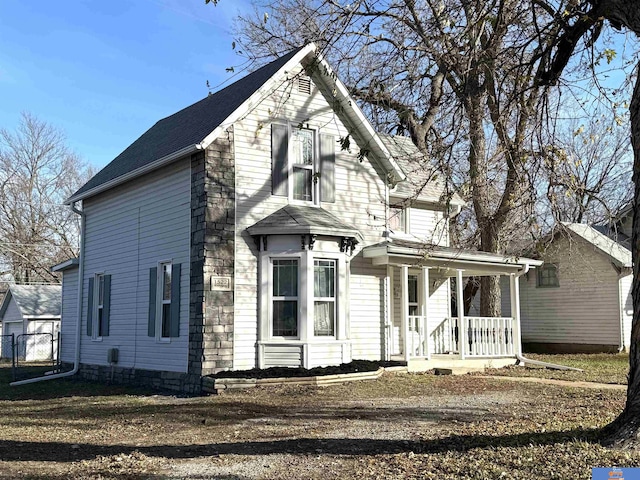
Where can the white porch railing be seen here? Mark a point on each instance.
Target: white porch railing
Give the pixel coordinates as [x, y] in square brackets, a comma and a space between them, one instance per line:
[418, 338]
[485, 337]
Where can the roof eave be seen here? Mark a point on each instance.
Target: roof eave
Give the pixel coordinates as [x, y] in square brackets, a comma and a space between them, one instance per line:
[161, 162]
[358, 119]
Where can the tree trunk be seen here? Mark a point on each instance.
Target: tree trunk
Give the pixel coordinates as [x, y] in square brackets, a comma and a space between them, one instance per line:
[624, 431]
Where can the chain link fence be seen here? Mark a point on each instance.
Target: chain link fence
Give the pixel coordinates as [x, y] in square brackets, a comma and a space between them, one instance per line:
[28, 350]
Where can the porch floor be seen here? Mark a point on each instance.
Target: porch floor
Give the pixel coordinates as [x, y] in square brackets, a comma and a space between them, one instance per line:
[455, 363]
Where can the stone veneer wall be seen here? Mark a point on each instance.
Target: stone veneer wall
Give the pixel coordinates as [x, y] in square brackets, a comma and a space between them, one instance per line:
[212, 254]
[181, 382]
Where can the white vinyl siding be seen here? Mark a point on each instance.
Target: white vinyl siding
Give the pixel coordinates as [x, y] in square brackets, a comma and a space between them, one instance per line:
[429, 224]
[129, 229]
[359, 201]
[584, 309]
[69, 315]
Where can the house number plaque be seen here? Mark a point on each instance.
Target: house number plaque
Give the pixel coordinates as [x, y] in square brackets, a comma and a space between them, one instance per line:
[221, 283]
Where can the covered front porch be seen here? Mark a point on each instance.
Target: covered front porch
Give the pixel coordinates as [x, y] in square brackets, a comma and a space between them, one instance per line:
[421, 326]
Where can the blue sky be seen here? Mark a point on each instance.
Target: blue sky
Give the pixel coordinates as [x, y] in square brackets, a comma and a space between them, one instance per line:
[105, 71]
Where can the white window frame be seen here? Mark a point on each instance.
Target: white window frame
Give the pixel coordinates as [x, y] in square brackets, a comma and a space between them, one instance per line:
[98, 307]
[333, 299]
[305, 295]
[399, 215]
[161, 302]
[313, 168]
[272, 298]
[415, 304]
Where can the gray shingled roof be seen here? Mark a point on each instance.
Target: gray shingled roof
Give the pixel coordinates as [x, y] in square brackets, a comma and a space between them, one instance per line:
[185, 128]
[34, 300]
[423, 181]
[293, 219]
[613, 249]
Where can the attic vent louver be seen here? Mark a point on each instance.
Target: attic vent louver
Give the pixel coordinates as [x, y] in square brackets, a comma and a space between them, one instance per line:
[304, 85]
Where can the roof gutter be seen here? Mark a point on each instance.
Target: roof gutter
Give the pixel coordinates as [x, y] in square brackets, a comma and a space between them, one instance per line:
[167, 159]
[76, 362]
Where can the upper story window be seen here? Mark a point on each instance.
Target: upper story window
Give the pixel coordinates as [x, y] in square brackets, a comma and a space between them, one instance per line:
[302, 163]
[548, 275]
[99, 300]
[398, 219]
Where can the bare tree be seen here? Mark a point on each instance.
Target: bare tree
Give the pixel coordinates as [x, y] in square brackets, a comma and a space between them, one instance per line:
[587, 172]
[37, 173]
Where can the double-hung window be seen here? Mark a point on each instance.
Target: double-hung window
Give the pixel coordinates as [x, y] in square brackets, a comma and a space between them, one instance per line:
[303, 161]
[324, 303]
[164, 301]
[99, 300]
[285, 298]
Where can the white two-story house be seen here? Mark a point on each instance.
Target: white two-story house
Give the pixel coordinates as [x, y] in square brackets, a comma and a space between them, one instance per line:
[269, 225]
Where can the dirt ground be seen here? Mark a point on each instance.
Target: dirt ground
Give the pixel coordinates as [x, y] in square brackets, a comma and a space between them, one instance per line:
[401, 426]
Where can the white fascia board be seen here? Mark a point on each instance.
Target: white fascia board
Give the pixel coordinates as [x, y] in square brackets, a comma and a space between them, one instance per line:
[360, 122]
[258, 96]
[42, 317]
[167, 159]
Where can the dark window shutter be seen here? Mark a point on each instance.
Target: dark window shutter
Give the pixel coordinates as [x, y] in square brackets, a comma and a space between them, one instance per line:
[279, 164]
[106, 306]
[90, 308]
[153, 278]
[327, 168]
[174, 326]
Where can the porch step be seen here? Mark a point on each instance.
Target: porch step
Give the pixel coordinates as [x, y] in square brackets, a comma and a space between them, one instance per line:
[457, 370]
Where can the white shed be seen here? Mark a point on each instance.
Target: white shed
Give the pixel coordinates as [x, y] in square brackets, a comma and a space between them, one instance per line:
[32, 314]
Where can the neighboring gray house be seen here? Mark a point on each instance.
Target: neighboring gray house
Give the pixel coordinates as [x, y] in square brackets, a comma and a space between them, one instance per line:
[237, 233]
[580, 299]
[28, 310]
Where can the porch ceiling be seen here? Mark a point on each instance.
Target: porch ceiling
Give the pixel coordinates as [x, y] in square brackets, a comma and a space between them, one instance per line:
[446, 260]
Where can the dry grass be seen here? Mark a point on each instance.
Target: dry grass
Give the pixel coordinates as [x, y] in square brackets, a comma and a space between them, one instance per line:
[600, 368]
[401, 426]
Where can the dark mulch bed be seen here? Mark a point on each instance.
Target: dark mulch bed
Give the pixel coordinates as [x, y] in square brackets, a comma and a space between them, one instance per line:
[276, 372]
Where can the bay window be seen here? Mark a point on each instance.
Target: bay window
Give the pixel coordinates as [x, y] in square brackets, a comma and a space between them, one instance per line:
[324, 293]
[285, 298]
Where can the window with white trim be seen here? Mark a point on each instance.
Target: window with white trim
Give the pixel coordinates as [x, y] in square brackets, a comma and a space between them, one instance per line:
[303, 162]
[99, 300]
[164, 297]
[324, 301]
[285, 298]
[398, 219]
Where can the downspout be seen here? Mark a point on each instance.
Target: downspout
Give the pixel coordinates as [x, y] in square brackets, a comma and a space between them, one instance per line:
[76, 363]
[523, 360]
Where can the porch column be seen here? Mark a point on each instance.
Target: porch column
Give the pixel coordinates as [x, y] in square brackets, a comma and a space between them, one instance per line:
[514, 288]
[462, 328]
[388, 313]
[425, 311]
[404, 309]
